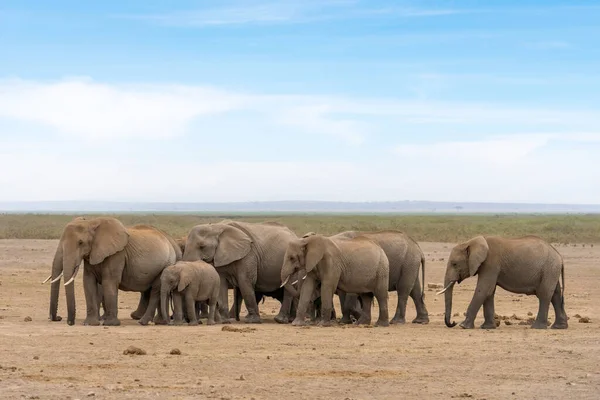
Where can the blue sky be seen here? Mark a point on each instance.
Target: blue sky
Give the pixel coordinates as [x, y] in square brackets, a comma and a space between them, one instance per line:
[300, 100]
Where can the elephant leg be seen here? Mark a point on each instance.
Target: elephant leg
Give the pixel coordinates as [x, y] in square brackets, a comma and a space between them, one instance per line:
[142, 305]
[485, 288]
[347, 304]
[381, 294]
[417, 296]
[90, 289]
[283, 317]
[365, 318]
[190, 304]
[544, 296]
[327, 291]
[488, 312]
[306, 293]
[234, 311]
[224, 299]
[403, 290]
[293, 309]
[249, 296]
[111, 300]
[158, 318]
[561, 320]
[212, 304]
[218, 319]
[177, 309]
[152, 303]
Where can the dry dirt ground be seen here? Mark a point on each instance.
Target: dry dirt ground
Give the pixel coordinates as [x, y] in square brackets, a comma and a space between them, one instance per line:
[50, 360]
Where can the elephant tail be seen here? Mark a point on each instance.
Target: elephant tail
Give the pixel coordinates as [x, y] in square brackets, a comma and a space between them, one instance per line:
[423, 276]
[562, 273]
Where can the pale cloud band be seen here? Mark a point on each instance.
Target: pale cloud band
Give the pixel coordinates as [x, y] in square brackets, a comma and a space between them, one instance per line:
[559, 166]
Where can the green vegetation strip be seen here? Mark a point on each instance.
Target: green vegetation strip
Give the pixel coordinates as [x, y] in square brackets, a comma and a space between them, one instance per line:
[432, 228]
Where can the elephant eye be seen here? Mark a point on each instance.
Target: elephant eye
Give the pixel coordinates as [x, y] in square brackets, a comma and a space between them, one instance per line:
[80, 242]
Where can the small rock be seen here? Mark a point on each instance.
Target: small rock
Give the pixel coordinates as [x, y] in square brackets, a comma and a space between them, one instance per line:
[36, 357]
[507, 322]
[456, 314]
[435, 286]
[530, 313]
[91, 394]
[28, 319]
[584, 320]
[577, 316]
[134, 351]
[229, 328]
[175, 352]
[241, 378]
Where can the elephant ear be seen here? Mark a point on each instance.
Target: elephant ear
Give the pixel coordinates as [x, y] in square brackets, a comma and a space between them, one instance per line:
[185, 278]
[110, 237]
[233, 245]
[315, 250]
[477, 251]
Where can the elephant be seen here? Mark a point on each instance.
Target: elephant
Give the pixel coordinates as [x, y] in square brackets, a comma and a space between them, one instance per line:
[353, 265]
[195, 281]
[246, 255]
[130, 259]
[526, 265]
[405, 256]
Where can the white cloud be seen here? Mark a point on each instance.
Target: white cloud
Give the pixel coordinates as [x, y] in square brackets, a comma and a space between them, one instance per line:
[94, 110]
[288, 11]
[502, 150]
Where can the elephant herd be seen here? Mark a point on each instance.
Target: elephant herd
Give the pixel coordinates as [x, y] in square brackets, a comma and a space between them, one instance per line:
[193, 275]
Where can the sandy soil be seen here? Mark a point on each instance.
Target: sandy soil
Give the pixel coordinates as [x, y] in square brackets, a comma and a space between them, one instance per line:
[50, 360]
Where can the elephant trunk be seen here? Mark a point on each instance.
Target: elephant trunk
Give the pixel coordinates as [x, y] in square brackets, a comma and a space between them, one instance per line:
[448, 289]
[286, 273]
[164, 301]
[55, 289]
[70, 268]
[70, 293]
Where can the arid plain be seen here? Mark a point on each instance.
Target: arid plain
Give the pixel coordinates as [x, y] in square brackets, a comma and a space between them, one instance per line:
[50, 360]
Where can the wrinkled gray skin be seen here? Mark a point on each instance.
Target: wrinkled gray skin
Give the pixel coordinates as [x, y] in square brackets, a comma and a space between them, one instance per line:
[526, 265]
[356, 265]
[129, 259]
[189, 282]
[246, 255]
[405, 257]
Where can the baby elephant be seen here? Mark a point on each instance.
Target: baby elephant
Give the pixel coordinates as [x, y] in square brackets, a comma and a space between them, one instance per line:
[194, 281]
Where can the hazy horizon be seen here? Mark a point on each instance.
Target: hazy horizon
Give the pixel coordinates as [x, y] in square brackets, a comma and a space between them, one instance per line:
[292, 206]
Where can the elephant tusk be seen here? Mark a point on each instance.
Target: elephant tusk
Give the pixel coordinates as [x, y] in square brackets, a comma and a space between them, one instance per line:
[57, 278]
[446, 288]
[73, 277]
[296, 281]
[47, 279]
[285, 282]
